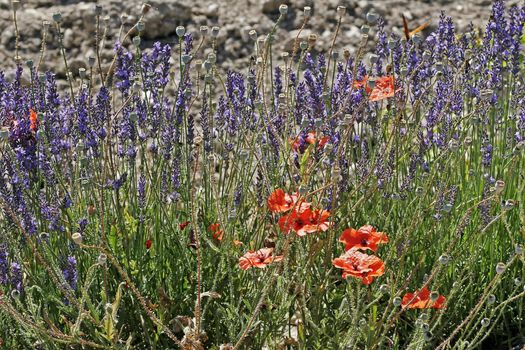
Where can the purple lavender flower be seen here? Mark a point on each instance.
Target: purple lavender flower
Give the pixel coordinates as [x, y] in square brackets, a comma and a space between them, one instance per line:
[70, 272]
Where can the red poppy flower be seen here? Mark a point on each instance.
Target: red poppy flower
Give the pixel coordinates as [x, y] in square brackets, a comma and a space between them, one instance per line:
[183, 225]
[366, 237]
[280, 202]
[307, 221]
[421, 300]
[148, 244]
[310, 139]
[259, 258]
[360, 265]
[218, 234]
[383, 88]
[33, 119]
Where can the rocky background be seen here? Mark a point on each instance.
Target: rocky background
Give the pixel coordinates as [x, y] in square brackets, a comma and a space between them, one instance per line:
[234, 17]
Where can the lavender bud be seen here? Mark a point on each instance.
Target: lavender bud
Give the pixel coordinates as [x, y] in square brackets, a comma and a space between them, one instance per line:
[180, 30]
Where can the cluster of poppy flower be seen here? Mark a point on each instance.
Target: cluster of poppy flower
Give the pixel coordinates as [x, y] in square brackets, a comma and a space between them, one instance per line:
[300, 143]
[356, 263]
[301, 219]
[383, 87]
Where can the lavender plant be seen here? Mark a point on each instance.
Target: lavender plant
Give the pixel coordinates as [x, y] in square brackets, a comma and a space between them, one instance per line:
[162, 202]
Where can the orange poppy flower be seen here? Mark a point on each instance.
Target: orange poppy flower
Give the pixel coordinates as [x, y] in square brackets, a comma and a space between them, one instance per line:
[309, 139]
[280, 202]
[307, 221]
[218, 234]
[33, 119]
[421, 300]
[360, 265]
[384, 87]
[366, 237]
[259, 258]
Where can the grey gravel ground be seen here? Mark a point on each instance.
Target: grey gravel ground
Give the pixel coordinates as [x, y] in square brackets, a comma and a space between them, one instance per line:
[235, 18]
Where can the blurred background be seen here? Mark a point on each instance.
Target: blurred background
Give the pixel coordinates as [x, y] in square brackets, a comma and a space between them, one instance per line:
[235, 19]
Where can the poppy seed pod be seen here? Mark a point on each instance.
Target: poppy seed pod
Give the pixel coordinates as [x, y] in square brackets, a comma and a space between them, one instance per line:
[444, 259]
[82, 73]
[283, 9]
[141, 26]
[307, 11]
[341, 10]
[204, 30]
[57, 17]
[365, 29]
[372, 17]
[91, 61]
[16, 5]
[215, 31]
[303, 45]
[180, 30]
[396, 301]
[44, 236]
[102, 259]
[384, 288]
[491, 299]
[518, 249]
[253, 34]
[485, 322]
[500, 268]
[136, 41]
[98, 10]
[145, 8]
[76, 237]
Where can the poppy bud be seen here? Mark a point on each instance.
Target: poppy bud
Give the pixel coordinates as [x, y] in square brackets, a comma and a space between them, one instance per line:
[192, 239]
